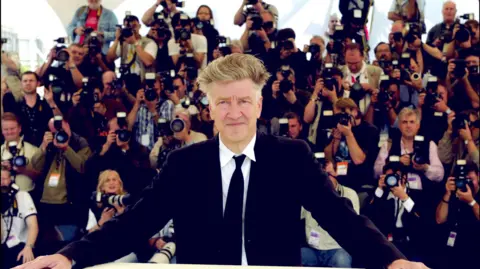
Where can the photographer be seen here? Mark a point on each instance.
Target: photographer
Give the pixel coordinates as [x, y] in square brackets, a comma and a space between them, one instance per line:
[463, 86]
[61, 191]
[123, 154]
[182, 136]
[10, 72]
[265, 33]
[185, 42]
[95, 62]
[408, 11]
[295, 129]
[21, 163]
[458, 212]
[461, 139]
[319, 110]
[362, 78]
[137, 51]
[115, 89]
[284, 96]
[33, 112]
[465, 39]
[93, 18]
[400, 212]
[203, 24]
[179, 96]
[322, 249]
[438, 35]
[71, 71]
[168, 11]
[19, 223]
[160, 33]
[404, 145]
[383, 52]
[353, 143]
[316, 48]
[202, 122]
[257, 7]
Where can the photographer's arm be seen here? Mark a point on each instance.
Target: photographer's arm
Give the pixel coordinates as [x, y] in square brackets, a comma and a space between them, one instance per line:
[445, 147]
[356, 153]
[419, 58]
[239, 18]
[112, 51]
[433, 51]
[441, 214]
[77, 159]
[473, 152]
[412, 9]
[309, 112]
[244, 39]
[147, 18]
[9, 62]
[102, 64]
[331, 149]
[76, 76]
[435, 170]
[145, 54]
[132, 116]
[471, 93]
[155, 152]
[369, 116]
[199, 56]
[394, 16]
[449, 50]
[32, 227]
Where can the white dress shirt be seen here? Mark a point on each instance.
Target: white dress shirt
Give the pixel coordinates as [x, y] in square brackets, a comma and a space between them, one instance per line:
[227, 164]
[404, 205]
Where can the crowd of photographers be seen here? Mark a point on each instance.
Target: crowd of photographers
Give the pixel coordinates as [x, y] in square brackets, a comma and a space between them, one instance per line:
[398, 135]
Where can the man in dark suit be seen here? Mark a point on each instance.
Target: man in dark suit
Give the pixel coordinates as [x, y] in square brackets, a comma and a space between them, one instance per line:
[235, 188]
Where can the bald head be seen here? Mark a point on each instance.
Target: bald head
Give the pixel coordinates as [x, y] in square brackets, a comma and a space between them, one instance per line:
[449, 11]
[65, 126]
[107, 79]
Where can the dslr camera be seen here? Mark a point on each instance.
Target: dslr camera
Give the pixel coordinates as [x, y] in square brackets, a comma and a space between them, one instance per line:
[328, 80]
[459, 70]
[285, 84]
[257, 22]
[164, 127]
[183, 34]
[61, 55]
[312, 50]
[464, 32]
[460, 173]
[224, 45]
[123, 134]
[17, 160]
[384, 95]
[190, 66]
[60, 135]
[150, 92]
[126, 31]
[419, 155]
[393, 179]
[166, 79]
[413, 31]
[94, 45]
[177, 125]
[338, 38]
[58, 85]
[112, 200]
[342, 118]
[176, 2]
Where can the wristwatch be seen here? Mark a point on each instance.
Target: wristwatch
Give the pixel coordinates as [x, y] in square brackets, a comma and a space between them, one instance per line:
[472, 203]
[72, 66]
[448, 111]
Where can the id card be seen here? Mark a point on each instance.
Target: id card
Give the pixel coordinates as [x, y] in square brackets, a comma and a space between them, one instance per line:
[12, 241]
[342, 168]
[53, 180]
[438, 114]
[451, 239]
[413, 183]
[314, 238]
[145, 140]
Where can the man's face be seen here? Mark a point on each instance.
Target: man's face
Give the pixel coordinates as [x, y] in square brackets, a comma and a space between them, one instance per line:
[205, 114]
[474, 178]
[472, 60]
[235, 109]
[180, 87]
[135, 25]
[449, 12]
[78, 54]
[409, 126]
[11, 130]
[320, 43]
[291, 77]
[394, 92]
[294, 128]
[99, 108]
[354, 60]
[107, 79]
[204, 14]
[6, 179]
[268, 23]
[383, 51]
[442, 91]
[29, 84]
[94, 4]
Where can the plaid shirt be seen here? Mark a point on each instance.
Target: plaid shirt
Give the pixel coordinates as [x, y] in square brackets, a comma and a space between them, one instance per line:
[145, 125]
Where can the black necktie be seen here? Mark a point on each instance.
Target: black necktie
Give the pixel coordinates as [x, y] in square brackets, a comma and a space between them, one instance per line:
[233, 216]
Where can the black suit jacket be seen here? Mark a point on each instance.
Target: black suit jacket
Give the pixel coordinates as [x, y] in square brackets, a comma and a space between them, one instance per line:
[188, 189]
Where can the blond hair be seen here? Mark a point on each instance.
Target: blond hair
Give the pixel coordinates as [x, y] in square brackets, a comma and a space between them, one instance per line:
[407, 111]
[102, 178]
[234, 67]
[344, 103]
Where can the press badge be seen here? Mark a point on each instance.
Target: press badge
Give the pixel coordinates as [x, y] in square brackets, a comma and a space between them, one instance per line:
[438, 114]
[53, 180]
[145, 140]
[451, 239]
[413, 183]
[342, 168]
[314, 238]
[12, 241]
[327, 113]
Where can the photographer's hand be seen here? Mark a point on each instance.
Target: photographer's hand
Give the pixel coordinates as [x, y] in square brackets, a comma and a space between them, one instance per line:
[420, 167]
[174, 97]
[80, 30]
[76, 97]
[466, 134]
[275, 88]
[450, 119]
[374, 97]
[450, 187]
[465, 197]
[26, 254]
[440, 105]
[140, 97]
[47, 139]
[381, 182]
[319, 85]
[118, 32]
[7, 165]
[345, 130]
[450, 68]
[111, 139]
[405, 160]
[421, 99]
[48, 95]
[107, 215]
[290, 96]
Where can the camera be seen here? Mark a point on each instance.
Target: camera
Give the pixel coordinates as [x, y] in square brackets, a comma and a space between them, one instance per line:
[186, 102]
[190, 66]
[328, 80]
[357, 92]
[177, 125]
[338, 38]
[164, 255]
[60, 54]
[473, 70]
[459, 70]
[87, 96]
[58, 85]
[461, 121]
[123, 134]
[286, 45]
[60, 135]
[384, 64]
[384, 95]
[164, 127]
[150, 92]
[431, 98]
[414, 30]
[320, 157]
[342, 118]
[94, 45]
[112, 200]
[182, 34]
[283, 124]
[257, 22]
[285, 84]
[166, 79]
[395, 64]
[460, 173]
[18, 161]
[397, 36]
[419, 150]
[464, 32]
[393, 179]
[224, 45]
[312, 50]
[8, 197]
[176, 2]
[432, 84]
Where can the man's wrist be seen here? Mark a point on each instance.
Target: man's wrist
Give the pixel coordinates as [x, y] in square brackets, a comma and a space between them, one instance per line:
[472, 203]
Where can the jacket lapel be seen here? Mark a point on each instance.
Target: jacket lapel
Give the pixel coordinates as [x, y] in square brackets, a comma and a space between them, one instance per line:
[214, 183]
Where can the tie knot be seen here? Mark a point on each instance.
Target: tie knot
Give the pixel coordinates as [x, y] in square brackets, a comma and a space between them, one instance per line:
[239, 160]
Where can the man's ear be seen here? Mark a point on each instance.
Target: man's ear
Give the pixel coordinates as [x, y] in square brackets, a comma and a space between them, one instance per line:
[259, 106]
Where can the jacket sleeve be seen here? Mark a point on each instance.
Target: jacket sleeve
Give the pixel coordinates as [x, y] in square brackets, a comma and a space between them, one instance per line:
[109, 32]
[355, 233]
[135, 225]
[445, 149]
[73, 24]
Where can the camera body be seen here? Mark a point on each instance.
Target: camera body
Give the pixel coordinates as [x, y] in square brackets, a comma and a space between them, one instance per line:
[150, 92]
[459, 70]
[393, 179]
[257, 22]
[431, 98]
[342, 118]
[16, 160]
[414, 30]
[110, 200]
[166, 79]
[8, 197]
[328, 80]
[60, 135]
[285, 84]
[384, 95]
[419, 151]
[176, 2]
[123, 134]
[182, 34]
[224, 45]
[460, 122]
[60, 54]
[460, 174]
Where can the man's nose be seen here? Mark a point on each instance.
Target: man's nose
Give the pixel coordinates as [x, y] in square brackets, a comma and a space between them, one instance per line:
[234, 111]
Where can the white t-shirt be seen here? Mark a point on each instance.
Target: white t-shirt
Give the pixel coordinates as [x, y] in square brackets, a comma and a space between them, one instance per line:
[199, 46]
[18, 225]
[149, 47]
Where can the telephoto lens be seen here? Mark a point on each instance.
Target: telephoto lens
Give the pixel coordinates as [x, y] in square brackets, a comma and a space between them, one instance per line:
[392, 180]
[461, 175]
[177, 125]
[165, 254]
[150, 93]
[60, 136]
[419, 150]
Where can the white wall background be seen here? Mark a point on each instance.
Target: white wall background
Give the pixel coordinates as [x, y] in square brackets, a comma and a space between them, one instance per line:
[46, 19]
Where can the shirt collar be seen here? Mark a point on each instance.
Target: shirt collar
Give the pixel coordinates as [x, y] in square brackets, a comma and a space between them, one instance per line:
[226, 154]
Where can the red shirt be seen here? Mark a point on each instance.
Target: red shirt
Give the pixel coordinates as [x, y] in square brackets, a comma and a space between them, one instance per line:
[92, 22]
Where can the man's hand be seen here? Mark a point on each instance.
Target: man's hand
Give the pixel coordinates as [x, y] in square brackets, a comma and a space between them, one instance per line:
[415, 45]
[48, 95]
[7, 165]
[140, 97]
[404, 264]
[61, 146]
[79, 30]
[337, 135]
[76, 97]
[367, 87]
[331, 95]
[399, 192]
[262, 34]
[47, 139]
[26, 254]
[381, 182]
[405, 160]
[450, 68]
[174, 97]
[56, 261]
[450, 119]
[131, 40]
[421, 99]
[319, 85]
[118, 32]
[290, 96]
[466, 134]
[159, 244]
[437, 42]
[275, 87]
[374, 97]
[107, 215]
[440, 105]
[345, 130]
[465, 197]
[420, 167]
[111, 138]
[99, 58]
[450, 186]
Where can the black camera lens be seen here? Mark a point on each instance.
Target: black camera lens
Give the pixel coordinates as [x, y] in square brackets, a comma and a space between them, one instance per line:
[462, 34]
[177, 125]
[123, 135]
[257, 22]
[61, 137]
[397, 36]
[62, 56]
[19, 161]
[286, 85]
[342, 118]
[126, 32]
[329, 83]
[150, 95]
[392, 180]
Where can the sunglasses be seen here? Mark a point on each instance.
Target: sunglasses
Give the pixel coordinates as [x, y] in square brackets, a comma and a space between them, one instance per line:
[268, 25]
